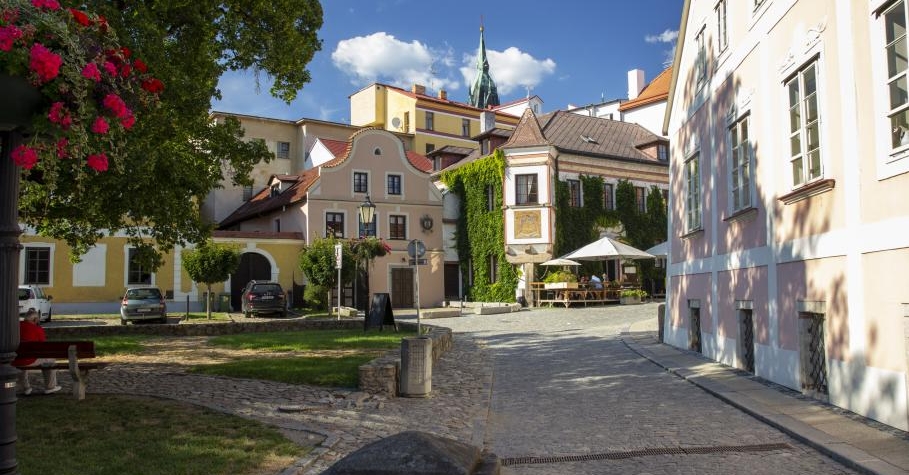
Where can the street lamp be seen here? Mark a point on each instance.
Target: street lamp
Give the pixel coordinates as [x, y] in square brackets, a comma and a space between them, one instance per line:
[367, 213]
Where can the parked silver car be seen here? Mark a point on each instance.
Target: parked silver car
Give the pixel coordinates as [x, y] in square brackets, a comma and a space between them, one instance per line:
[32, 297]
[143, 303]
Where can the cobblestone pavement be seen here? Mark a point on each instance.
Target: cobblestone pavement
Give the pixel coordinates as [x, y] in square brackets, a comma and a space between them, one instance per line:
[543, 382]
[566, 385]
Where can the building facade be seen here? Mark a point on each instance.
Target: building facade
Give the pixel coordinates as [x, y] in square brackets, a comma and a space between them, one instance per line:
[563, 147]
[787, 229]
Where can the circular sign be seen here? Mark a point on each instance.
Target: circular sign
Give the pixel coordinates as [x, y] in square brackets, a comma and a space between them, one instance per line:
[416, 249]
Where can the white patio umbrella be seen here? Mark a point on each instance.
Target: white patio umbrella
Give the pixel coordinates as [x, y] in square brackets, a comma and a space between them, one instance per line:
[607, 248]
[659, 250]
[560, 262]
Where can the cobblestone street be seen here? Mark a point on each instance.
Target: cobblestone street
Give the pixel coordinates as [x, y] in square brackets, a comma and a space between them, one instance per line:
[566, 385]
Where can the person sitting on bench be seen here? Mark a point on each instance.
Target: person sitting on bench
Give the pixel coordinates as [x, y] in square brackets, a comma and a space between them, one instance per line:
[29, 330]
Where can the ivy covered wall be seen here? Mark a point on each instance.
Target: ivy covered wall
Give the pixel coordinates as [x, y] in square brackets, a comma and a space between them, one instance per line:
[480, 231]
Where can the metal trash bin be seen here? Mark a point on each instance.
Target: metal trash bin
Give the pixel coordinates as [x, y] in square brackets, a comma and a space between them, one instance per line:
[416, 367]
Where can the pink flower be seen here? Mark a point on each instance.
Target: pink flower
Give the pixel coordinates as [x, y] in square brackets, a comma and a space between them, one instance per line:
[25, 157]
[115, 105]
[49, 4]
[59, 115]
[97, 162]
[8, 35]
[128, 121]
[100, 126]
[92, 72]
[111, 68]
[153, 85]
[61, 148]
[80, 17]
[44, 62]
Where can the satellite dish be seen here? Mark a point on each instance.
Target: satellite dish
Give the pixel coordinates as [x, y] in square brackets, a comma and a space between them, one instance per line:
[396, 122]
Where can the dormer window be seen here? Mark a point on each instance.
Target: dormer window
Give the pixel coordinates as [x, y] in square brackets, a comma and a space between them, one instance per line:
[275, 189]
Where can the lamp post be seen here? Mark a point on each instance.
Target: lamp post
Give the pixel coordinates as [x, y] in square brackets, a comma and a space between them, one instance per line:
[367, 211]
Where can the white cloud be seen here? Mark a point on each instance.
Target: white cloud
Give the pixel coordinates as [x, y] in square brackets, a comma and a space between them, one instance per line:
[510, 69]
[667, 36]
[382, 57]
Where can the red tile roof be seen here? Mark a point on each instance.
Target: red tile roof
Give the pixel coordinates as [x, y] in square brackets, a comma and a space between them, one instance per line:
[336, 147]
[657, 90]
[263, 203]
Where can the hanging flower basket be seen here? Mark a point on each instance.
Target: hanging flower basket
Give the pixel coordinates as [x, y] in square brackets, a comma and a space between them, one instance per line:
[75, 89]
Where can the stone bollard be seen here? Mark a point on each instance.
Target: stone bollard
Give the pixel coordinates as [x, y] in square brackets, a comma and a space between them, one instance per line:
[661, 320]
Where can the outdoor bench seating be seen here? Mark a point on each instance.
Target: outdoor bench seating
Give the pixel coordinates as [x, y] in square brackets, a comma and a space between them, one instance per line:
[71, 351]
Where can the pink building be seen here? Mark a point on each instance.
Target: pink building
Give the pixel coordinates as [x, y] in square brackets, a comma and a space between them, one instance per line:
[789, 228]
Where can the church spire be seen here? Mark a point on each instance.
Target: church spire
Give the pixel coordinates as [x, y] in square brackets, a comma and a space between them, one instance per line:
[483, 92]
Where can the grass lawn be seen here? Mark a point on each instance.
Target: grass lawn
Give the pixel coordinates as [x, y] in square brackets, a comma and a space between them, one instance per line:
[114, 435]
[318, 357]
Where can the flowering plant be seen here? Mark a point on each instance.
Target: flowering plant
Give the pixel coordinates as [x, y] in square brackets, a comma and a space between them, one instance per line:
[89, 89]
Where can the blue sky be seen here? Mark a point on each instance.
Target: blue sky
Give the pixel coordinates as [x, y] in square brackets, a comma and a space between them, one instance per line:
[567, 52]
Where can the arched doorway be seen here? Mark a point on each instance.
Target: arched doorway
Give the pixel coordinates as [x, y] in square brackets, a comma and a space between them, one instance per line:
[253, 266]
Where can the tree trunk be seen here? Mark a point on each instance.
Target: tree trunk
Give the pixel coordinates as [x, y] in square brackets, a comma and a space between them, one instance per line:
[208, 301]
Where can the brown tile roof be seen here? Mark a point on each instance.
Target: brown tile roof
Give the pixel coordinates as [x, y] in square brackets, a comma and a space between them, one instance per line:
[419, 162]
[451, 149]
[263, 203]
[657, 90]
[583, 135]
[527, 133]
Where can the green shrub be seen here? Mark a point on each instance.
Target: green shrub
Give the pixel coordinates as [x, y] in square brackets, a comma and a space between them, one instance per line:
[633, 293]
[560, 276]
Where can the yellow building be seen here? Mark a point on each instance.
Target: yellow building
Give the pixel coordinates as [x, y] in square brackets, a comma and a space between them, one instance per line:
[433, 121]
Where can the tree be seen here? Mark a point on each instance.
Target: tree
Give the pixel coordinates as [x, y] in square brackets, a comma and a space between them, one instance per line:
[317, 261]
[211, 263]
[176, 156]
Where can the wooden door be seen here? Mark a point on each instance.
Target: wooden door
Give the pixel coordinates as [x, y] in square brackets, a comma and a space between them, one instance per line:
[402, 287]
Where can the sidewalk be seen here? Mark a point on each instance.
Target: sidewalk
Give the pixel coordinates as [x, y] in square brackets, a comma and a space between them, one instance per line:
[859, 443]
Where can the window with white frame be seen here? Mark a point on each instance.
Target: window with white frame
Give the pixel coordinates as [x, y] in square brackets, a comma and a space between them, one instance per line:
[137, 273]
[897, 84]
[361, 182]
[283, 150]
[700, 62]
[394, 184]
[526, 189]
[740, 168]
[37, 265]
[640, 199]
[722, 35]
[574, 193]
[804, 126]
[693, 193]
[397, 227]
[662, 152]
[334, 225]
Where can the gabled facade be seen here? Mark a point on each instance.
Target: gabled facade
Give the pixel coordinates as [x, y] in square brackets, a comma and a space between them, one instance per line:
[562, 146]
[789, 178]
[433, 121]
[324, 201]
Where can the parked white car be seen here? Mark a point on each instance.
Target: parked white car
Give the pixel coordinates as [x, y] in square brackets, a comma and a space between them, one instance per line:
[33, 297]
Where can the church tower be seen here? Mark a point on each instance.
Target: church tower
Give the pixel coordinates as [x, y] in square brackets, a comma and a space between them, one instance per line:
[483, 91]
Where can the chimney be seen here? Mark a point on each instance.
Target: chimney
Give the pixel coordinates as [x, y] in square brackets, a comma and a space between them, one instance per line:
[635, 83]
[418, 89]
[487, 121]
[443, 94]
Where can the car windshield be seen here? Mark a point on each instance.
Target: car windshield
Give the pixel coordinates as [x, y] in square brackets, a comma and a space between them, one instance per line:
[267, 288]
[142, 294]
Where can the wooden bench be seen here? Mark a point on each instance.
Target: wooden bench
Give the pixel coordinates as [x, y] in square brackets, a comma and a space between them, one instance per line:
[72, 351]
